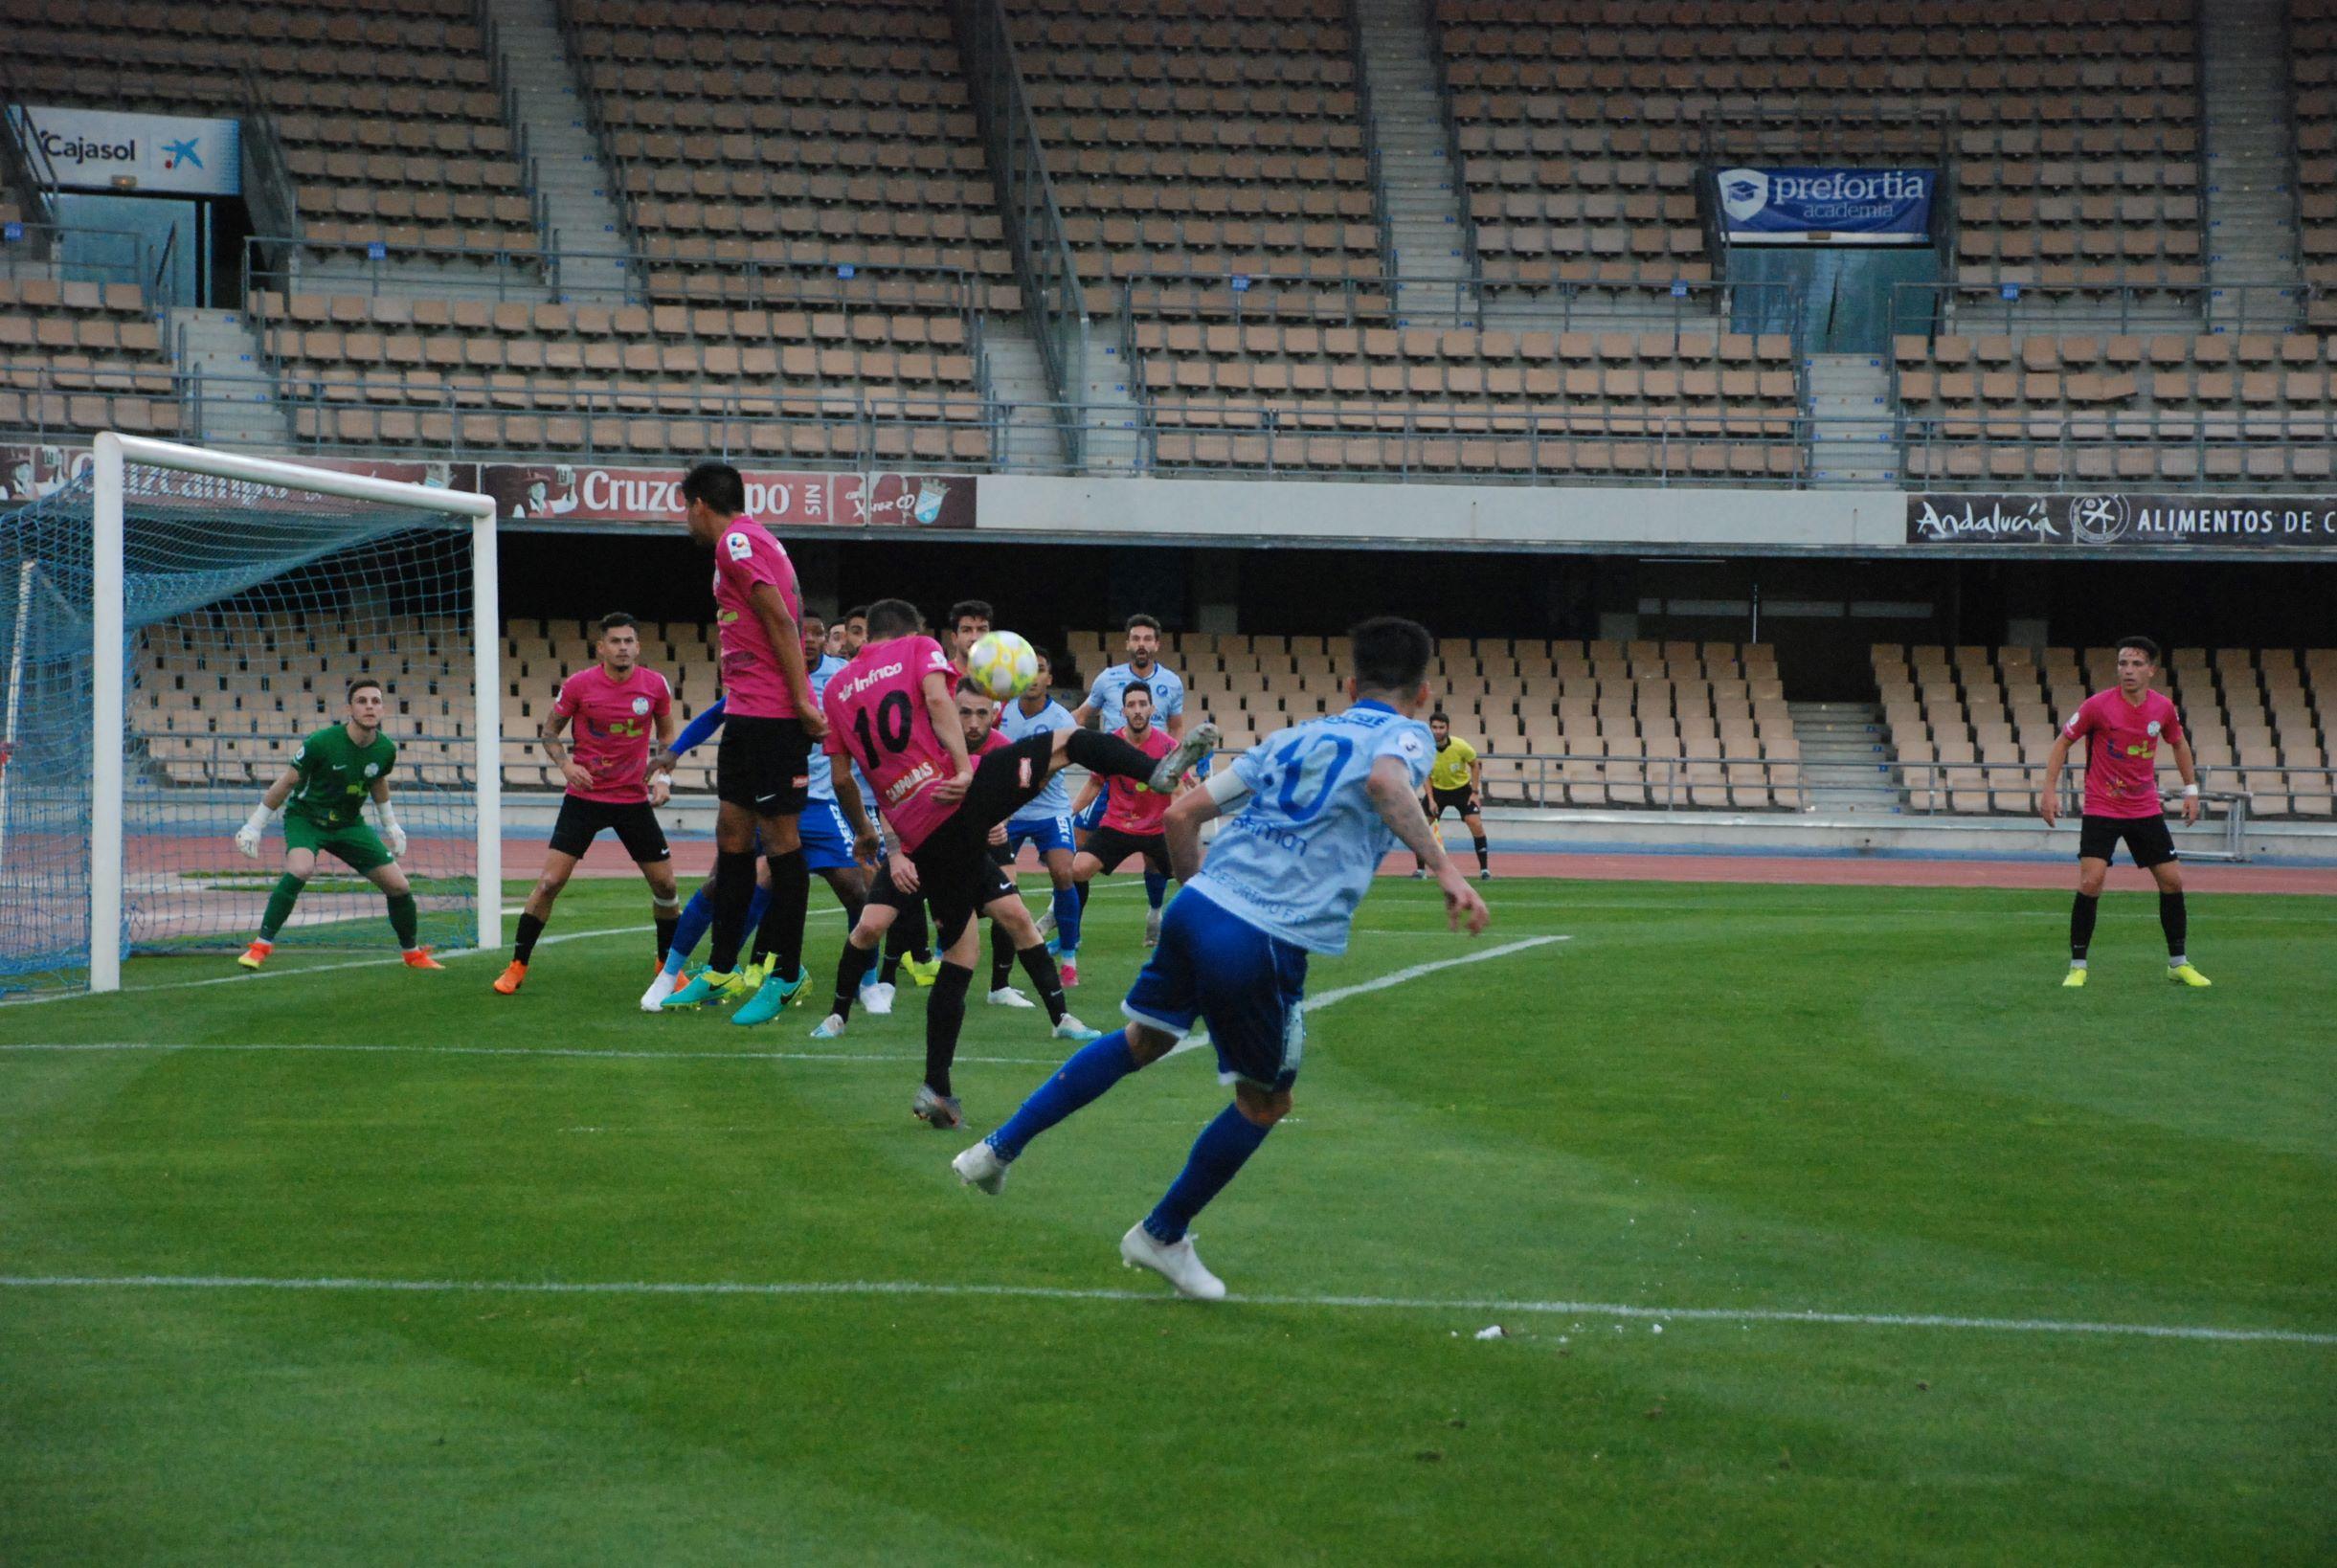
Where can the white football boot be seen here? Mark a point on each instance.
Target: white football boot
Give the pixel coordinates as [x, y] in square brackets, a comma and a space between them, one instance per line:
[653, 999]
[876, 999]
[1007, 995]
[979, 1166]
[1176, 1263]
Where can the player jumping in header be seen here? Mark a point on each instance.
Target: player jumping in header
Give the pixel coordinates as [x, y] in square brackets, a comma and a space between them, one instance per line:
[894, 710]
[2122, 727]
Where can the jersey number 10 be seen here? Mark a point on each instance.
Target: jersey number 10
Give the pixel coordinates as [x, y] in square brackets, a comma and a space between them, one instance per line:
[1331, 752]
[891, 727]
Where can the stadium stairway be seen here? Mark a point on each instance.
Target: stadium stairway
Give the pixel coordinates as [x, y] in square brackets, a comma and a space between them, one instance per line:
[1845, 757]
[231, 400]
[1419, 189]
[2251, 166]
[1014, 376]
[564, 161]
[1852, 441]
[1113, 402]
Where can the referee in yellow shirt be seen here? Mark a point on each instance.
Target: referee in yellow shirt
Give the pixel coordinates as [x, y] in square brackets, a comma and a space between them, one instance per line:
[1456, 782]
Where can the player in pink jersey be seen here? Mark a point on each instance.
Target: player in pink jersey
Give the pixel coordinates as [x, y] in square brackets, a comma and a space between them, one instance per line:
[2122, 728]
[894, 710]
[615, 706]
[1135, 814]
[762, 774]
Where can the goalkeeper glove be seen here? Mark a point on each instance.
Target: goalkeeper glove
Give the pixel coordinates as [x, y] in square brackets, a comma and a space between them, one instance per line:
[392, 835]
[248, 835]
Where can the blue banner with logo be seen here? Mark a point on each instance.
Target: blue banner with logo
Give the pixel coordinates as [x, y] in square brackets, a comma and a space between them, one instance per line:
[1826, 206]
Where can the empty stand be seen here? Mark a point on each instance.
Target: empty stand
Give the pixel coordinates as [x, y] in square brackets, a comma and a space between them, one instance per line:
[1972, 726]
[82, 356]
[2074, 133]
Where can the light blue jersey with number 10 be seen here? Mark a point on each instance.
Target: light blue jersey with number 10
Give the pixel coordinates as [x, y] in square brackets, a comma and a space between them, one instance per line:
[1298, 856]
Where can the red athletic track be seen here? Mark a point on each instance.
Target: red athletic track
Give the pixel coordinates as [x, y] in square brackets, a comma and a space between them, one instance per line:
[693, 857]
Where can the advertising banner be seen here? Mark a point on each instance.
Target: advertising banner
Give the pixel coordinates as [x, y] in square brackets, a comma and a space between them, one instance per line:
[93, 149]
[2123, 522]
[1801, 205]
[587, 493]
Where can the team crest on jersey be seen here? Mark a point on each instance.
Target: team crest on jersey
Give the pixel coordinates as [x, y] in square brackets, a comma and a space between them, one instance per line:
[640, 705]
[2151, 729]
[371, 768]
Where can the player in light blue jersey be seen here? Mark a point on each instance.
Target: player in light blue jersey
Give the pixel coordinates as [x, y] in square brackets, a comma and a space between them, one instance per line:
[1143, 668]
[1313, 812]
[1047, 824]
[827, 841]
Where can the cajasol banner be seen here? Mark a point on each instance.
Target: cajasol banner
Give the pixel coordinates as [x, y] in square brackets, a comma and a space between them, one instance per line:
[1826, 206]
[105, 149]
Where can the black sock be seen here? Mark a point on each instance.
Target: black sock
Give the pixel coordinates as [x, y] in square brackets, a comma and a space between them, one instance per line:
[1484, 860]
[782, 936]
[1107, 754]
[1002, 957]
[1046, 978]
[850, 969]
[523, 943]
[1084, 888]
[945, 1014]
[666, 924]
[733, 892]
[2082, 915]
[2175, 921]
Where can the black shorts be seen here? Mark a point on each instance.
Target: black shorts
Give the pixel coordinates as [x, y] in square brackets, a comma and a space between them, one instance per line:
[1111, 848]
[1463, 800]
[634, 823]
[764, 765]
[2149, 840]
[953, 879]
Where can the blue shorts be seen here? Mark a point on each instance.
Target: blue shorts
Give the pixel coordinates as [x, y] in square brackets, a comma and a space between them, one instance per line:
[1246, 985]
[1086, 821]
[1047, 832]
[827, 838]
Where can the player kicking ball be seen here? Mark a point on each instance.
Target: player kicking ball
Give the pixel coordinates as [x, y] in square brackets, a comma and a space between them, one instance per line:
[1313, 810]
[894, 710]
[615, 704]
[334, 775]
[2122, 727]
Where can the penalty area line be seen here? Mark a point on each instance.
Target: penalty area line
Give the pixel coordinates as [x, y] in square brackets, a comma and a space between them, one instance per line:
[785, 1289]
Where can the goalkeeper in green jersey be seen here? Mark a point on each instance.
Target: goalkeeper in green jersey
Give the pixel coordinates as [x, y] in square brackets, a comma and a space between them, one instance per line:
[333, 775]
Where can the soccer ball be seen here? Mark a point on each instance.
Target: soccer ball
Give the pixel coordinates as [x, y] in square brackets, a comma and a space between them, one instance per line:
[1003, 664]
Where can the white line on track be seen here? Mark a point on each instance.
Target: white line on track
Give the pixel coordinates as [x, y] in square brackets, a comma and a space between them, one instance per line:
[1036, 1292]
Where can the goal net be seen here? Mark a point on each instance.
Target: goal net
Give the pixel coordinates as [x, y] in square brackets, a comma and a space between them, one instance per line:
[175, 623]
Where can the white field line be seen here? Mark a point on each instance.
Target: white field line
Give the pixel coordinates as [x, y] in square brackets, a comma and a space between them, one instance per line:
[1195, 1041]
[100, 1047]
[1473, 1305]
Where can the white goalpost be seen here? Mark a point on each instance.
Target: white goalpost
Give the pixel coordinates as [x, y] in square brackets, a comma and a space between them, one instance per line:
[226, 530]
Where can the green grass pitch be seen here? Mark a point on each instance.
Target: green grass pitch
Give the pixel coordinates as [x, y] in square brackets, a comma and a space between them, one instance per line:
[1717, 1102]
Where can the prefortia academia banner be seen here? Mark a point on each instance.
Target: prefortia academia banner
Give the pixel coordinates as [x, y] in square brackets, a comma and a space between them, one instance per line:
[2123, 522]
[1800, 206]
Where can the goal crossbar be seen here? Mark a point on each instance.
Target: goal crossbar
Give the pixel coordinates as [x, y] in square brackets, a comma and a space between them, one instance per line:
[112, 453]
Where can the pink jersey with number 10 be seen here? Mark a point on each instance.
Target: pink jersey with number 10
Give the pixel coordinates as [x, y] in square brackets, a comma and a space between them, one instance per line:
[875, 708]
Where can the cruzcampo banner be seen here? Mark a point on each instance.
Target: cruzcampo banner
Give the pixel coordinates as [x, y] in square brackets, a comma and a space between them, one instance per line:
[1801, 205]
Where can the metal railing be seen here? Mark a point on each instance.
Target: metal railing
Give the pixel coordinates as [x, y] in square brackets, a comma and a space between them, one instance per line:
[25, 167]
[123, 255]
[1053, 300]
[1660, 783]
[1294, 292]
[1936, 787]
[2030, 449]
[1455, 159]
[2137, 303]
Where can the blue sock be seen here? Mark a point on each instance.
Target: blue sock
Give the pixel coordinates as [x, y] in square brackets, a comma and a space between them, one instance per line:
[1217, 1155]
[1068, 910]
[689, 930]
[1155, 888]
[755, 906]
[1097, 1065]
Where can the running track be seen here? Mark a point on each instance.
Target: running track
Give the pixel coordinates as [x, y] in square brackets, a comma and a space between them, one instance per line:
[694, 858]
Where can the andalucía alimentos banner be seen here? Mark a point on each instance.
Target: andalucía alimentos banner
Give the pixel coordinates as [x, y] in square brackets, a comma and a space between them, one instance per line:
[2114, 522]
